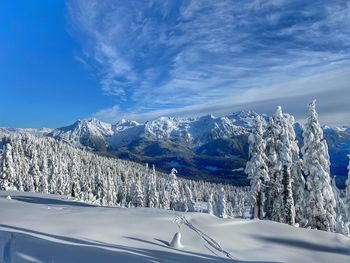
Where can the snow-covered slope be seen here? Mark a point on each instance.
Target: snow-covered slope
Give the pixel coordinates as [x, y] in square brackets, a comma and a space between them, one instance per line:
[46, 228]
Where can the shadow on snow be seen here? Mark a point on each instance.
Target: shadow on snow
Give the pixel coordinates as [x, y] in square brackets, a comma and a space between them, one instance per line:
[23, 245]
[306, 245]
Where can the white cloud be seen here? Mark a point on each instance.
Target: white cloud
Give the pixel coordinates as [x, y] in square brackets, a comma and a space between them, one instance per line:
[108, 115]
[294, 96]
[178, 57]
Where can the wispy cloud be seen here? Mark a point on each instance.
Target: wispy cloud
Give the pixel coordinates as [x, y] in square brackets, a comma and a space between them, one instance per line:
[108, 115]
[166, 57]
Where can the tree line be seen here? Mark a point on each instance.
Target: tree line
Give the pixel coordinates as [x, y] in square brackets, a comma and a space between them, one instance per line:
[46, 165]
[290, 185]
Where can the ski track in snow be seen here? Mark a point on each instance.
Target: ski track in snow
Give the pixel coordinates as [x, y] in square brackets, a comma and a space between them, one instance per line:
[209, 240]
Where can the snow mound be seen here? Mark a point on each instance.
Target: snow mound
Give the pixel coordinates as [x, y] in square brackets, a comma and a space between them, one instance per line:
[176, 241]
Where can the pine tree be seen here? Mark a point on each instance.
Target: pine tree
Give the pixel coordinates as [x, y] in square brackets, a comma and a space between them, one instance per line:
[298, 185]
[137, 194]
[272, 164]
[347, 193]
[210, 203]
[342, 225]
[189, 199]
[153, 196]
[239, 207]
[221, 204]
[283, 207]
[320, 208]
[8, 171]
[44, 175]
[146, 185]
[256, 168]
[172, 188]
[69, 171]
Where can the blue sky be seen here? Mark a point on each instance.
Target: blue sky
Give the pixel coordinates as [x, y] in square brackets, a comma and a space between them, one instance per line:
[60, 61]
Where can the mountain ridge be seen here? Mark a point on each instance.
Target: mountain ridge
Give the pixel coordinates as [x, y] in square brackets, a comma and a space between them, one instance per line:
[205, 147]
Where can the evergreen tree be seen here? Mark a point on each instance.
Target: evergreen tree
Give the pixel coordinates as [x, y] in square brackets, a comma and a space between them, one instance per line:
[347, 193]
[256, 168]
[44, 175]
[298, 181]
[320, 208]
[283, 206]
[136, 194]
[189, 199]
[210, 203]
[153, 196]
[8, 175]
[221, 204]
[342, 226]
[31, 163]
[172, 188]
[273, 166]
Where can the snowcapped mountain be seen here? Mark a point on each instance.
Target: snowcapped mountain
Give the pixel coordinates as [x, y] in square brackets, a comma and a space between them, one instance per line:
[83, 128]
[206, 147]
[194, 131]
[85, 133]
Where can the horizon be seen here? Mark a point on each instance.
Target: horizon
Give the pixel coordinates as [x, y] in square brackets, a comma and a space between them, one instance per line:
[67, 60]
[300, 121]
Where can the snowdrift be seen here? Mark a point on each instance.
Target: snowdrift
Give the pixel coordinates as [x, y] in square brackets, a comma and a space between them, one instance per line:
[49, 228]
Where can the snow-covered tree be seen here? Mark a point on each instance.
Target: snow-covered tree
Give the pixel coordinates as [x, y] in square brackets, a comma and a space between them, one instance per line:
[137, 194]
[283, 205]
[239, 207]
[31, 163]
[320, 208]
[298, 181]
[272, 164]
[189, 199]
[342, 226]
[256, 168]
[164, 199]
[221, 204]
[44, 177]
[347, 193]
[172, 189]
[8, 172]
[210, 203]
[146, 185]
[153, 196]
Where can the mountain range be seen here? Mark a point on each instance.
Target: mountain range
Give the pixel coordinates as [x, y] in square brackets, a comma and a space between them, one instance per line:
[207, 147]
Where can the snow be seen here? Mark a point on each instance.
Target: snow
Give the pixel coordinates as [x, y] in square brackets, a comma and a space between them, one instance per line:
[196, 131]
[240, 169]
[49, 228]
[176, 241]
[83, 129]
